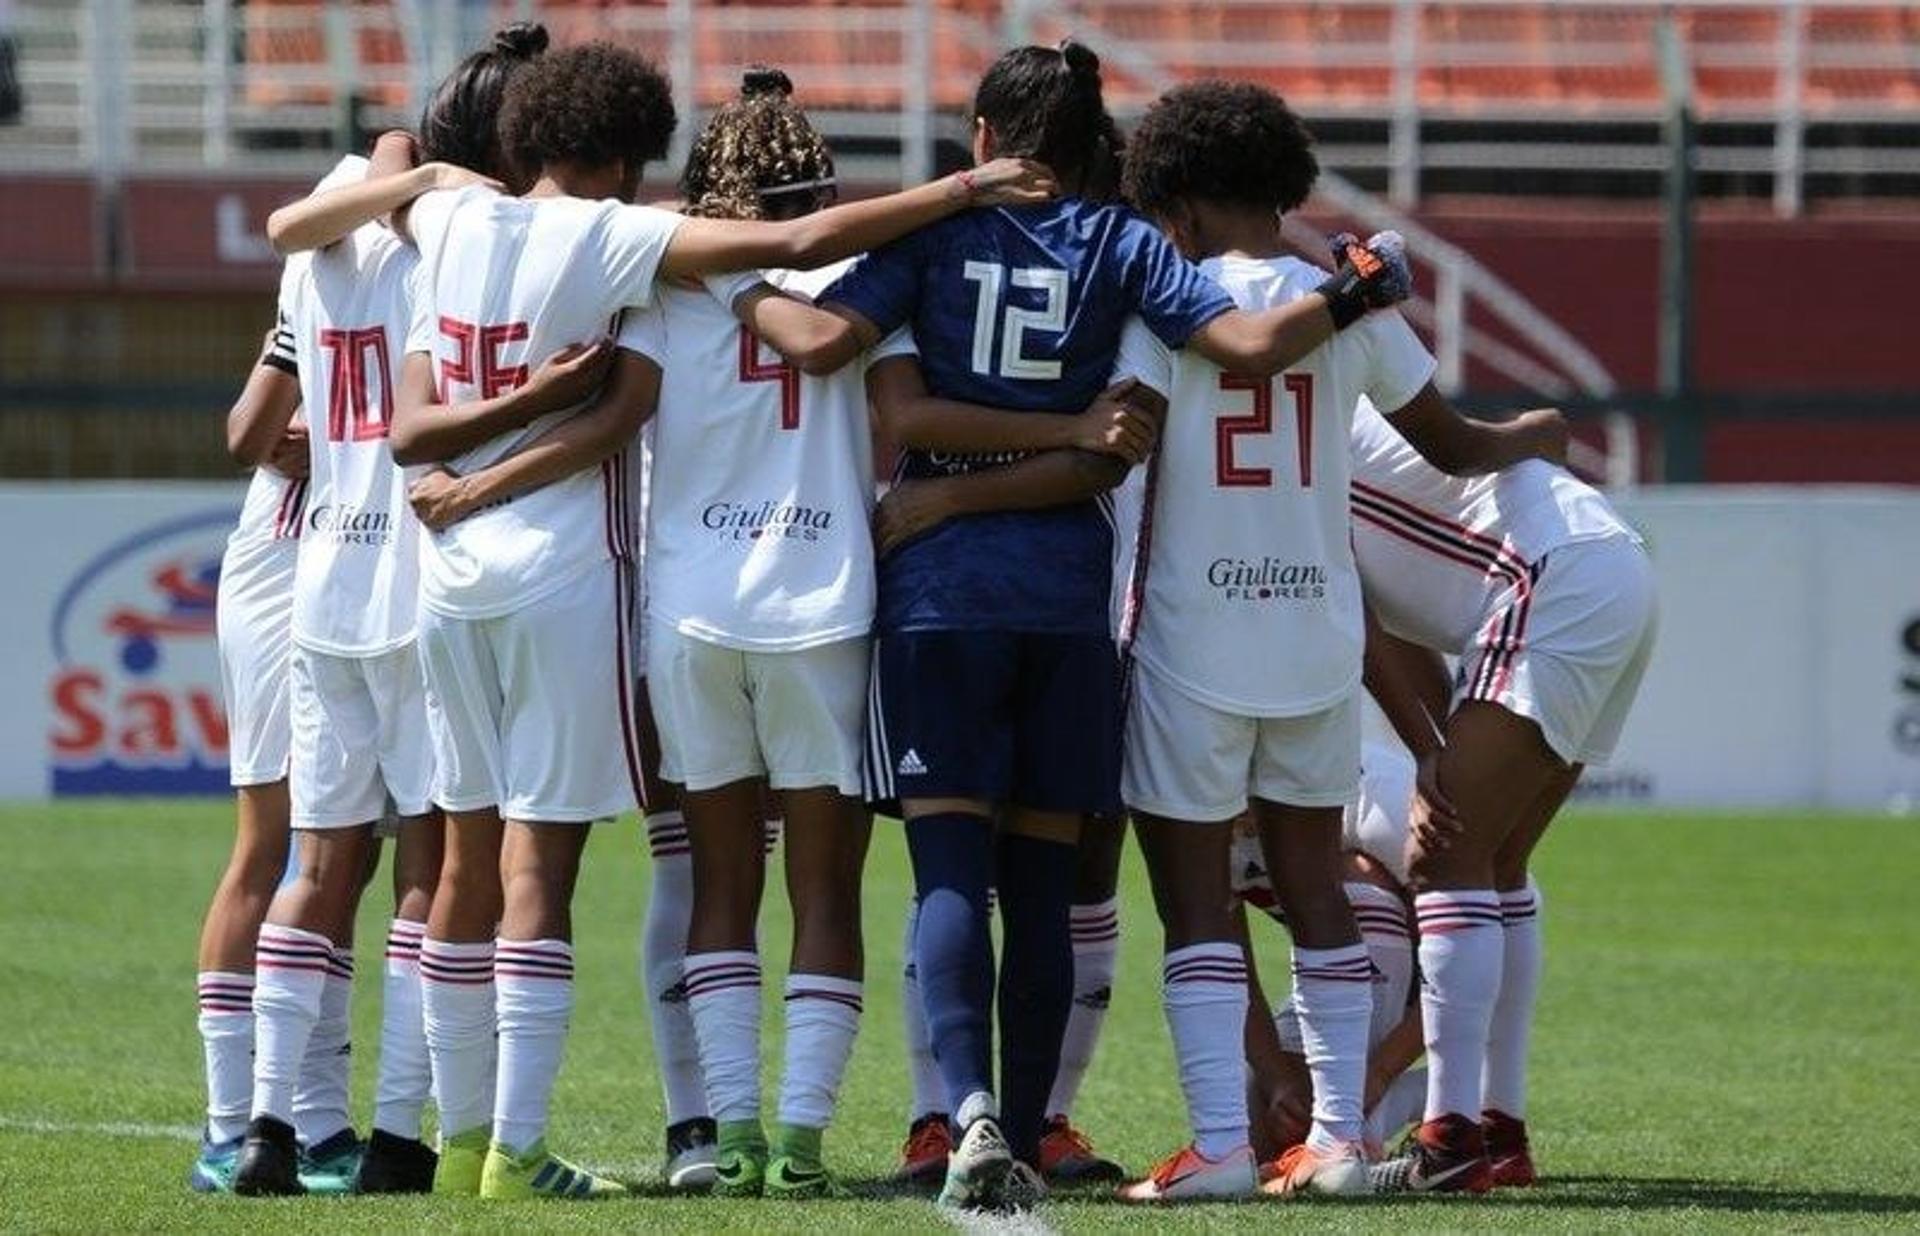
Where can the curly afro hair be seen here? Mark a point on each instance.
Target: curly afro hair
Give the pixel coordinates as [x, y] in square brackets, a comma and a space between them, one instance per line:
[760, 144]
[589, 105]
[1218, 141]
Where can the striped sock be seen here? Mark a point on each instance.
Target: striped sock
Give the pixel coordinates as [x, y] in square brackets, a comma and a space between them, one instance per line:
[457, 1015]
[663, 951]
[326, 1075]
[723, 990]
[406, 1076]
[1204, 988]
[1386, 928]
[534, 982]
[1333, 998]
[823, 1016]
[1096, 948]
[290, 969]
[1504, 1088]
[1460, 958]
[226, 1035]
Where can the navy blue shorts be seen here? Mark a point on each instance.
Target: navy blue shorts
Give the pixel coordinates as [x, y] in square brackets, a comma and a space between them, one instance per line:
[1016, 719]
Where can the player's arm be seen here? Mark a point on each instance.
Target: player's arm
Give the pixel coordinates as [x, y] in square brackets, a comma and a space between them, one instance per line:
[714, 246]
[1396, 1051]
[582, 441]
[1114, 424]
[260, 424]
[1410, 684]
[1462, 446]
[320, 219]
[813, 340]
[427, 430]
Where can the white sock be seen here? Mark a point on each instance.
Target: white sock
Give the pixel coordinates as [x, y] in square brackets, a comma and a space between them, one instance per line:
[290, 969]
[1400, 1106]
[1504, 1088]
[533, 982]
[1096, 947]
[1460, 952]
[929, 1094]
[457, 1015]
[1333, 998]
[1205, 992]
[406, 1076]
[663, 950]
[326, 1076]
[723, 990]
[226, 1034]
[823, 1015]
[1386, 928]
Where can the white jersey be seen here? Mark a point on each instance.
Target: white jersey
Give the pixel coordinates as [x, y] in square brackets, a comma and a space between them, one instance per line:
[1246, 597]
[1432, 548]
[357, 586]
[504, 283]
[757, 537]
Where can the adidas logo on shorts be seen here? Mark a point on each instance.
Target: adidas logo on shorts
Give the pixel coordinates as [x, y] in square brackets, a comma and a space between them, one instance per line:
[911, 765]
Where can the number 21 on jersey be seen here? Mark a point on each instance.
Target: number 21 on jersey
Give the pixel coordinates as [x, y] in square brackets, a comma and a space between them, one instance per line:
[1229, 427]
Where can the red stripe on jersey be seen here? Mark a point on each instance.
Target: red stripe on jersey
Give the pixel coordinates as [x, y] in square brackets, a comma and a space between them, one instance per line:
[623, 675]
[1417, 512]
[1438, 539]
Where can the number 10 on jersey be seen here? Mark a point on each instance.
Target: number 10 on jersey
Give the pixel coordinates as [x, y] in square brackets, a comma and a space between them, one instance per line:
[1229, 473]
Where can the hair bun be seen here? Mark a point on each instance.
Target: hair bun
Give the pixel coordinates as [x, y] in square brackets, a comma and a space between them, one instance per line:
[523, 39]
[761, 79]
[1079, 57]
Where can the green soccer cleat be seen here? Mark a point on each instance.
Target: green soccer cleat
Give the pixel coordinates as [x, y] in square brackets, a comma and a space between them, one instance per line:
[795, 1172]
[329, 1169]
[462, 1159]
[212, 1171]
[508, 1177]
[740, 1167]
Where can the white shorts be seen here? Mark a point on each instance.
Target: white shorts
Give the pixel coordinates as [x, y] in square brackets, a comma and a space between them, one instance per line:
[1568, 647]
[1186, 760]
[253, 616]
[359, 735]
[797, 718]
[1380, 823]
[531, 711]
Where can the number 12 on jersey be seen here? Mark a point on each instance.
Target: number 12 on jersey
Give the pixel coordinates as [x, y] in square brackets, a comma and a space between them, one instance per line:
[1229, 473]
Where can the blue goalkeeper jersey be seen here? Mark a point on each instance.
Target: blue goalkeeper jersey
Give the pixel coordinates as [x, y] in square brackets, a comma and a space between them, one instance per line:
[1019, 308]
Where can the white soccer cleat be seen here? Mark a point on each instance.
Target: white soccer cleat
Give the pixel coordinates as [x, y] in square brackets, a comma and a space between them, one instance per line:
[977, 1169]
[1187, 1175]
[1337, 1173]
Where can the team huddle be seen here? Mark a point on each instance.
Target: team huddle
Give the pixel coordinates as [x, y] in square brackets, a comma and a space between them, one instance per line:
[566, 507]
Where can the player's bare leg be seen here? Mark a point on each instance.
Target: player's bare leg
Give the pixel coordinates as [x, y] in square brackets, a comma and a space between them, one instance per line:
[1503, 1090]
[397, 1160]
[1495, 765]
[1333, 992]
[1067, 1156]
[826, 851]
[457, 993]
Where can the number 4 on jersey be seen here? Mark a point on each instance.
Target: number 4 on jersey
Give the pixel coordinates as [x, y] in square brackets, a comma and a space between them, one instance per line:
[754, 369]
[1228, 472]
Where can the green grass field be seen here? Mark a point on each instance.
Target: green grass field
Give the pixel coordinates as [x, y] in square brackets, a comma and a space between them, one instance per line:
[1728, 1041]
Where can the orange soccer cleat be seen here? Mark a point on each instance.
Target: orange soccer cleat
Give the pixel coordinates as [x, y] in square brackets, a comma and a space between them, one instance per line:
[1188, 1175]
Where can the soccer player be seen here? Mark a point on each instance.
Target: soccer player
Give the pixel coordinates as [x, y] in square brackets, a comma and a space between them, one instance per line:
[251, 617]
[1547, 598]
[524, 623]
[998, 686]
[1246, 628]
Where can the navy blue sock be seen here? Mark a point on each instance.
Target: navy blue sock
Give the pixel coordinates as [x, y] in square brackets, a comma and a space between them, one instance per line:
[953, 947]
[1036, 880]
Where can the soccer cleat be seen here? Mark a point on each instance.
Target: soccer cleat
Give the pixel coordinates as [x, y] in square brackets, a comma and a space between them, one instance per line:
[330, 1168]
[1023, 1190]
[1068, 1158]
[393, 1164]
[690, 1155]
[923, 1160]
[463, 1157]
[508, 1177]
[740, 1164]
[269, 1161]
[1507, 1150]
[977, 1169]
[1187, 1175]
[1302, 1169]
[795, 1171]
[1448, 1155]
[212, 1171]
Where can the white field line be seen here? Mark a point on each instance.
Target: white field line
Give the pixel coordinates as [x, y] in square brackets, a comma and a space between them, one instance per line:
[975, 1223]
[112, 1128]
